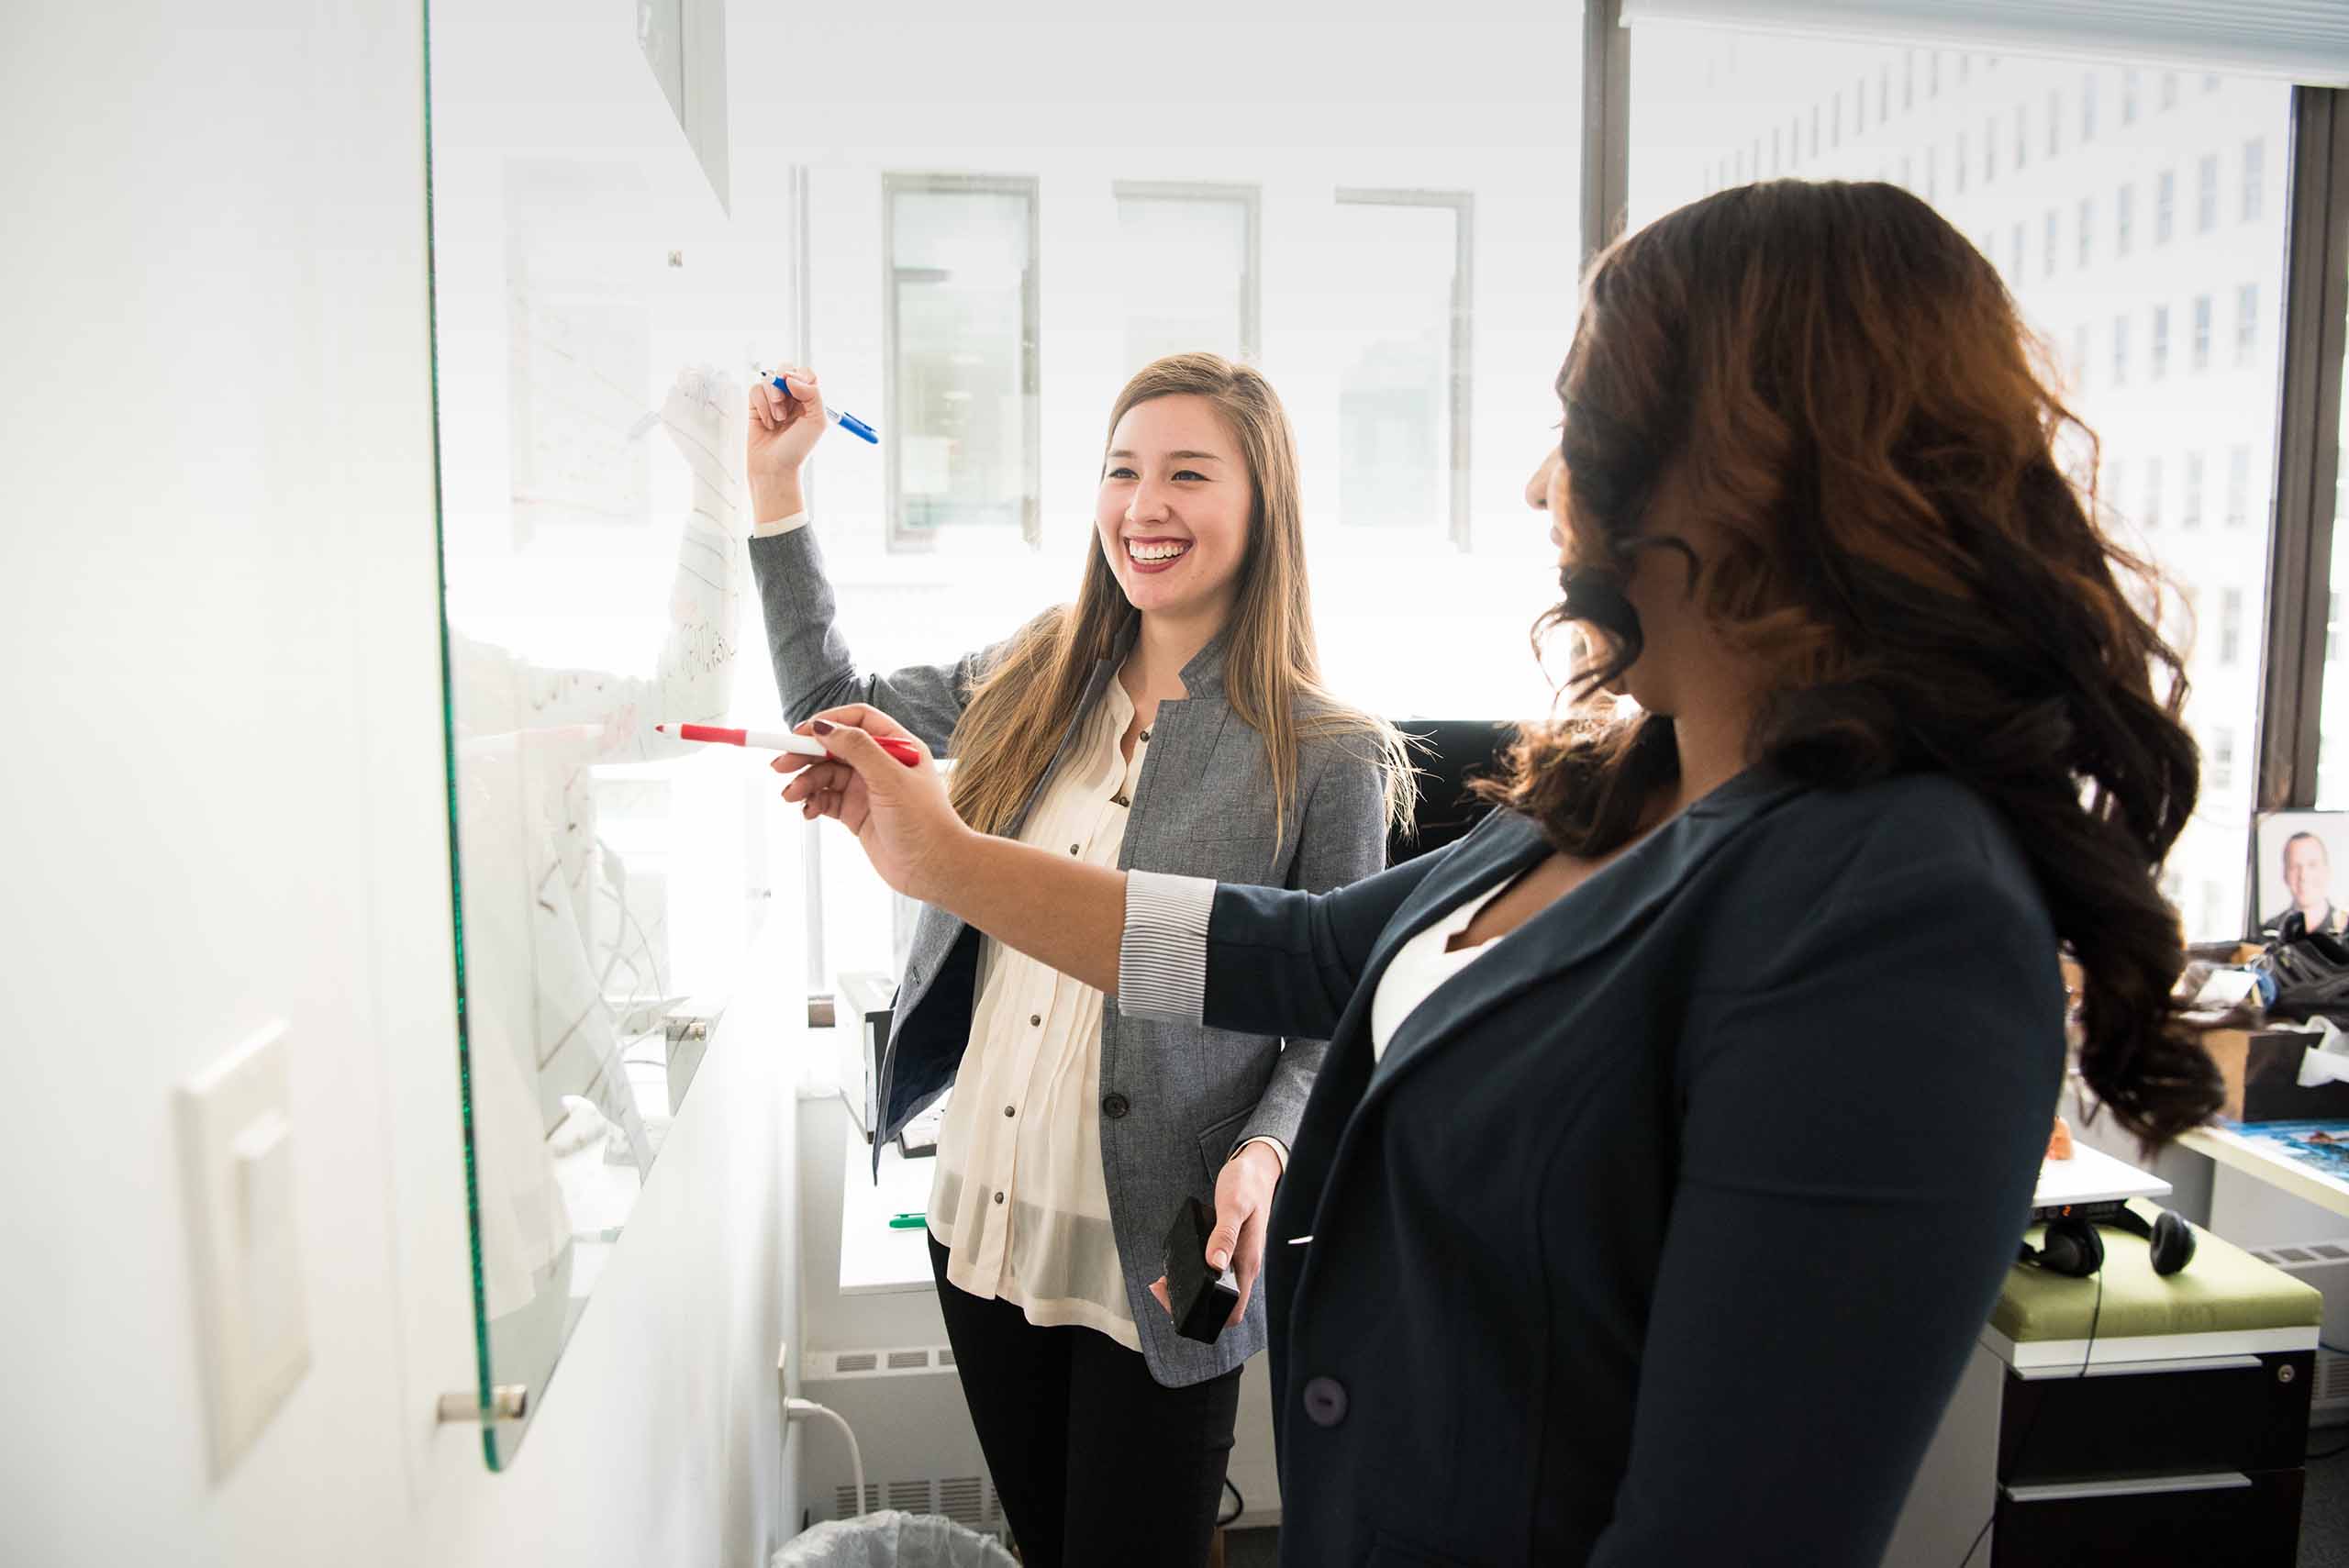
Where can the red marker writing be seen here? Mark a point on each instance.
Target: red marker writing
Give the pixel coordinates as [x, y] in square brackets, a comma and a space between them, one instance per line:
[906, 751]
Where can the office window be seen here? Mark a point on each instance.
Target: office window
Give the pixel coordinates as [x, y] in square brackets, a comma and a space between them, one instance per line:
[2170, 89]
[2054, 224]
[1907, 80]
[2222, 777]
[2206, 194]
[1774, 149]
[1835, 120]
[1907, 183]
[1814, 130]
[1402, 373]
[2254, 178]
[1965, 62]
[1932, 73]
[2129, 98]
[1188, 261]
[2189, 512]
[2164, 205]
[2246, 323]
[2230, 627]
[961, 254]
[2014, 269]
[1883, 96]
[1957, 164]
[2103, 282]
[2238, 486]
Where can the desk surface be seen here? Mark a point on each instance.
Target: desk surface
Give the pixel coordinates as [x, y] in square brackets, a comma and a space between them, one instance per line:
[2271, 1164]
[2091, 1175]
[875, 1260]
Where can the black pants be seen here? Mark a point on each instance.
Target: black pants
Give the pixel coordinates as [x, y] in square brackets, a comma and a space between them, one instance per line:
[1097, 1466]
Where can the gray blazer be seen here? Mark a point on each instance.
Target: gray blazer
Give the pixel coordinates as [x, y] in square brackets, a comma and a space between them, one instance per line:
[1176, 1098]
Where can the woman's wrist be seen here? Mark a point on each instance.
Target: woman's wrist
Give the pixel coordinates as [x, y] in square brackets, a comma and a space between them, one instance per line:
[774, 499]
[950, 869]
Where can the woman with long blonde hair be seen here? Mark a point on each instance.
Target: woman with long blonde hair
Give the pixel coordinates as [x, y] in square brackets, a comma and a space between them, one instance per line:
[1171, 719]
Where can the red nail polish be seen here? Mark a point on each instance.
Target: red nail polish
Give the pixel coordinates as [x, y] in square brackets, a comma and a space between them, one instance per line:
[821, 726]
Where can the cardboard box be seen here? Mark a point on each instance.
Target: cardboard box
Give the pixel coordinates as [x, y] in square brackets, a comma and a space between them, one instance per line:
[2262, 1068]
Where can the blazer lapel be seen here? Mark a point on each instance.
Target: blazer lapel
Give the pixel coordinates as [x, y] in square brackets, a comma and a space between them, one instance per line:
[1615, 901]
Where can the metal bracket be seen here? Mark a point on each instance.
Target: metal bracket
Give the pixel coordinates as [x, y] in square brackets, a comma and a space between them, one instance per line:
[507, 1402]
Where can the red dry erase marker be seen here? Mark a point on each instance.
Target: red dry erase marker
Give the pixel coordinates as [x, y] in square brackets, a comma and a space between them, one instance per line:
[906, 751]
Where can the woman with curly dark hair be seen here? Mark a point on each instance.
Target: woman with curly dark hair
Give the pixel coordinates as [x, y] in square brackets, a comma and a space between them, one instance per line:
[1678, 1124]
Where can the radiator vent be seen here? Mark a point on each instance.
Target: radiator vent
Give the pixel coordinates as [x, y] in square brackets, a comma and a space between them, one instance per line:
[2325, 1265]
[906, 1407]
[963, 1499]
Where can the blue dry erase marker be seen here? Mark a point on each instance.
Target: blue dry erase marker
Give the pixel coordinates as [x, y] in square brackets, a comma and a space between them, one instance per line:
[849, 422]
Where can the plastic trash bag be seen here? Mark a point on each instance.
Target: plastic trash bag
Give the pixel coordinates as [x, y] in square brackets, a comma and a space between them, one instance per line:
[891, 1539]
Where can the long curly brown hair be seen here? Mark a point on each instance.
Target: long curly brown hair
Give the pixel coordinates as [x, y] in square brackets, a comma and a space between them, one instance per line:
[1837, 378]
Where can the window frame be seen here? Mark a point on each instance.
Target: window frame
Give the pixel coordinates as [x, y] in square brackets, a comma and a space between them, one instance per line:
[2308, 454]
[1460, 345]
[1250, 198]
[901, 540]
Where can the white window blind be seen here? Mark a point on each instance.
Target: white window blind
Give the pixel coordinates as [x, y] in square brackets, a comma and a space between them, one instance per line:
[2304, 41]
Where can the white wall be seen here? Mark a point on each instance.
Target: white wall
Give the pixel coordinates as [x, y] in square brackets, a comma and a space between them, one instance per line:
[218, 618]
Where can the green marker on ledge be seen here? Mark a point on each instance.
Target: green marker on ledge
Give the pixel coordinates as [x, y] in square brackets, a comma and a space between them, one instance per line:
[907, 1221]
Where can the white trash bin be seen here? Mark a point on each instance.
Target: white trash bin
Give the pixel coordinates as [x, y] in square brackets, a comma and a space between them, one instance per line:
[892, 1539]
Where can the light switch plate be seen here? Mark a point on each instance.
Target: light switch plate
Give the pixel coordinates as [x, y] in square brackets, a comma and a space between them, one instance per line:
[237, 1147]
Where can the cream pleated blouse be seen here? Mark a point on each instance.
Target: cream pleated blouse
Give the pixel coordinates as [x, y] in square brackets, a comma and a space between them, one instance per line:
[1019, 1200]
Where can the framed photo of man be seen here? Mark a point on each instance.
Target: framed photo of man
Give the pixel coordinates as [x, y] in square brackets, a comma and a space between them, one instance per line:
[2301, 878]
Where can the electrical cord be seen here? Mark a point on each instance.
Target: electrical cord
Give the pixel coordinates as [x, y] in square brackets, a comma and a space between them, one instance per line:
[797, 1410]
[1239, 1506]
[2096, 1315]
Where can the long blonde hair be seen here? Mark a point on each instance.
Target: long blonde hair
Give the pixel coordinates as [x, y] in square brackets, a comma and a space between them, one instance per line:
[1272, 671]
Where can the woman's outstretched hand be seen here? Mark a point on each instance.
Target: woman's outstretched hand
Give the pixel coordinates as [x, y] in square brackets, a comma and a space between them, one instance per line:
[900, 814]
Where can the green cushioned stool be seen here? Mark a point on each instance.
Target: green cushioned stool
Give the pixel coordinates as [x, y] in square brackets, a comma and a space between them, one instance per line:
[2224, 1302]
[2177, 1437]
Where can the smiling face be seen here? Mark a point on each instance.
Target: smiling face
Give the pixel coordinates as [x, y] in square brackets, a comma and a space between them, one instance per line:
[2308, 872]
[1174, 509]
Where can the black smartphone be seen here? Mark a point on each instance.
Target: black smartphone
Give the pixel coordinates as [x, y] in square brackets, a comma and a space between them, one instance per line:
[1203, 1297]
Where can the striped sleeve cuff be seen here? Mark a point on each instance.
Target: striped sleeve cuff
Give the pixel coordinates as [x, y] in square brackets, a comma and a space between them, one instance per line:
[790, 525]
[1162, 955]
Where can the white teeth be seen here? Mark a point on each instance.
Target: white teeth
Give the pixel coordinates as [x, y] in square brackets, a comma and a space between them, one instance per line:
[1155, 551]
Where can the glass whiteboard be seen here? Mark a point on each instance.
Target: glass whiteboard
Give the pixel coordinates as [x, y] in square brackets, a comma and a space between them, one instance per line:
[595, 305]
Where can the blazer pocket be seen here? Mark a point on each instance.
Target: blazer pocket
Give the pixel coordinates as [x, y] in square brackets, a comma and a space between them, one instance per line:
[1215, 1143]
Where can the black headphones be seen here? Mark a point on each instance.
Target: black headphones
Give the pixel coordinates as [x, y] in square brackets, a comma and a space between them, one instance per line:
[2071, 1245]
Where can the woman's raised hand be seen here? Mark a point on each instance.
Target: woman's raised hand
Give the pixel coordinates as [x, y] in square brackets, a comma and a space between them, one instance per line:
[899, 814]
[785, 428]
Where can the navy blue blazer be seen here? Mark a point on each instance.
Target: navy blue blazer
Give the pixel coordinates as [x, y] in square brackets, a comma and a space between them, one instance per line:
[1661, 1232]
